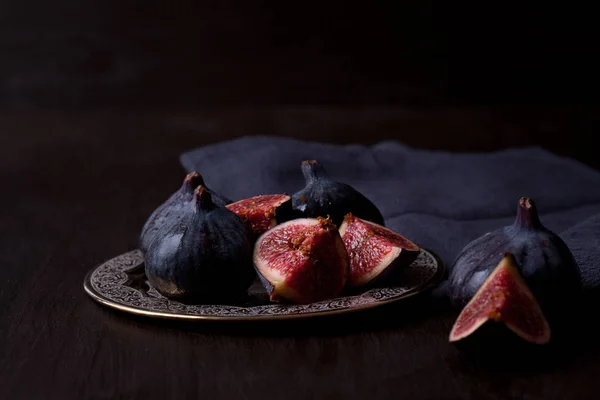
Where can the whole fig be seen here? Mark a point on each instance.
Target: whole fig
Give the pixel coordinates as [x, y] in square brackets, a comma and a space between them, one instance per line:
[173, 208]
[324, 197]
[206, 255]
[543, 259]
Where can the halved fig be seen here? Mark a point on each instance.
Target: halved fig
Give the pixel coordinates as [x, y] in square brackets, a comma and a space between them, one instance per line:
[375, 251]
[504, 299]
[264, 211]
[302, 261]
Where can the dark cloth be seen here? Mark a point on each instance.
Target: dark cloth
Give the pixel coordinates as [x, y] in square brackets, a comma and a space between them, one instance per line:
[440, 200]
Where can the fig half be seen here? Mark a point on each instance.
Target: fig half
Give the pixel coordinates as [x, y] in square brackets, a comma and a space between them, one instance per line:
[302, 261]
[207, 255]
[504, 298]
[375, 252]
[264, 212]
[324, 197]
[174, 208]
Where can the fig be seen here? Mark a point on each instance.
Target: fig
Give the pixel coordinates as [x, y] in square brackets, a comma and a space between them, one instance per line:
[376, 253]
[170, 211]
[302, 261]
[544, 261]
[206, 255]
[324, 197]
[503, 301]
[264, 211]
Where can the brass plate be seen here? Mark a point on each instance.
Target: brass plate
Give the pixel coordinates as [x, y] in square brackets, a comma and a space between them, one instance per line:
[121, 283]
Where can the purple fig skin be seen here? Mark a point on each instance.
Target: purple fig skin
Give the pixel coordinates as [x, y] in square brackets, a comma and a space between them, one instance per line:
[324, 197]
[545, 262]
[206, 256]
[171, 211]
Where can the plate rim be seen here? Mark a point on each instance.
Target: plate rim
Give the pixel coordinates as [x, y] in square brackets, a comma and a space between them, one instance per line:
[97, 297]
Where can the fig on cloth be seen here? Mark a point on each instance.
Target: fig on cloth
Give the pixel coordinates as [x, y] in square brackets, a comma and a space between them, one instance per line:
[543, 259]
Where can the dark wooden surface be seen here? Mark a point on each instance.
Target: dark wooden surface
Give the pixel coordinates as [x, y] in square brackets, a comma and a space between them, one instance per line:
[77, 188]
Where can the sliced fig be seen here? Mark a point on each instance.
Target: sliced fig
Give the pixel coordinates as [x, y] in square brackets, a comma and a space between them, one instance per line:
[324, 197]
[375, 252]
[207, 255]
[503, 298]
[545, 262]
[302, 261]
[264, 212]
[171, 211]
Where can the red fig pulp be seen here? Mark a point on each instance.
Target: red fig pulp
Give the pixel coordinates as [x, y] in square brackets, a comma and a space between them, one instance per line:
[375, 252]
[302, 261]
[263, 212]
[505, 298]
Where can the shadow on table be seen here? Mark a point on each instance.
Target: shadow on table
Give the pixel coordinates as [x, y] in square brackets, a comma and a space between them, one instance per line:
[570, 346]
[572, 342]
[388, 316]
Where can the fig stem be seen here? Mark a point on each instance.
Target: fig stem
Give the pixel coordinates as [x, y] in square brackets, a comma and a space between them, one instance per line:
[527, 215]
[192, 181]
[312, 171]
[203, 198]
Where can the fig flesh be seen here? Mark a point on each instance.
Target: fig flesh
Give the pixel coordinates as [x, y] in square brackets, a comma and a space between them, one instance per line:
[324, 197]
[264, 212]
[375, 252]
[302, 261]
[504, 298]
[174, 207]
[544, 260]
[206, 255]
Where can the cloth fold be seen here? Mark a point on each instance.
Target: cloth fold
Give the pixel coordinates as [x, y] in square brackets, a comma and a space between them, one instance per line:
[440, 200]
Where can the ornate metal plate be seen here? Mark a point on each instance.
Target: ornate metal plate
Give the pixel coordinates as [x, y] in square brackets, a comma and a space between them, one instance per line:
[121, 283]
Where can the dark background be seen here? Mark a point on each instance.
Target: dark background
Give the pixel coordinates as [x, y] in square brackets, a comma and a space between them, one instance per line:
[456, 76]
[99, 98]
[71, 53]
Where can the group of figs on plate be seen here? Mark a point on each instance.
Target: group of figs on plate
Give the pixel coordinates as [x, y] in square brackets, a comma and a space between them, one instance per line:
[513, 283]
[327, 238]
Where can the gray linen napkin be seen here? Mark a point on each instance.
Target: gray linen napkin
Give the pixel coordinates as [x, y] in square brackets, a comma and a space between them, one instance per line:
[438, 199]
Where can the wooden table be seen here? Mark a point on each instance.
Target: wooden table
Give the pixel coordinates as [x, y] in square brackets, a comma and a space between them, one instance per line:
[78, 186]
